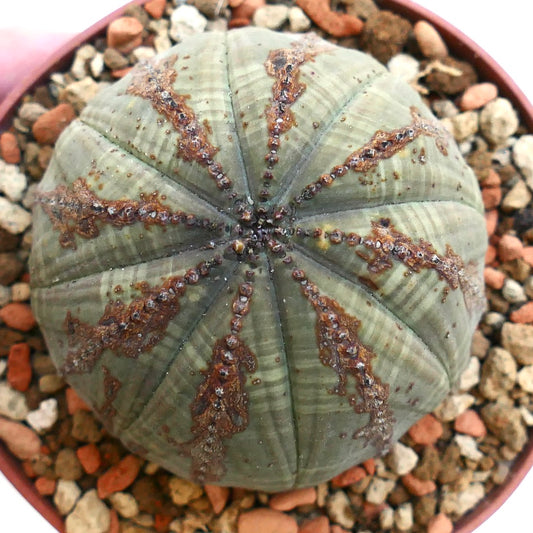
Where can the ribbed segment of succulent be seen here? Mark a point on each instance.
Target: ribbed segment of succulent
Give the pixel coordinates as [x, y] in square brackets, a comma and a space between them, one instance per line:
[284, 65]
[341, 349]
[154, 81]
[323, 368]
[382, 145]
[76, 209]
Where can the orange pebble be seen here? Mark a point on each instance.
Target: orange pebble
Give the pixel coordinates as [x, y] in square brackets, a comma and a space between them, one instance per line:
[161, 522]
[18, 316]
[89, 457]
[124, 34]
[470, 423]
[320, 524]
[9, 148]
[114, 522]
[370, 466]
[47, 128]
[492, 180]
[74, 402]
[426, 431]
[478, 95]
[19, 366]
[45, 486]
[492, 196]
[528, 255]
[418, 487]
[352, 475]
[245, 10]
[218, 496]
[286, 501]
[494, 278]
[335, 23]
[440, 523]
[266, 521]
[338, 529]
[119, 476]
[155, 8]
[523, 315]
[510, 247]
[491, 221]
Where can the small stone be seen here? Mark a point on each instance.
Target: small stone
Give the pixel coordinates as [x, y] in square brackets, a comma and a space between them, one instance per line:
[9, 148]
[465, 125]
[523, 315]
[19, 366]
[440, 523]
[125, 504]
[143, 53]
[286, 501]
[498, 121]
[510, 248]
[401, 459]
[74, 402]
[18, 316]
[429, 40]
[525, 378]
[90, 515]
[477, 96]
[494, 278]
[470, 423]
[471, 375]
[266, 521]
[506, 423]
[12, 402]
[386, 518]
[517, 198]
[13, 218]
[468, 447]
[450, 76]
[494, 320]
[404, 66]
[29, 112]
[429, 465]
[298, 21]
[114, 60]
[348, 477]
[271, 16]
[119, 476]
[66, 495]
[3, 366]
[527, 415]
[513, 292]
[22, 441]
[49, 125]
[339, 509]
[44, 417]
[96, 66]
[155, 8]
[83, 55]
[183, 491]
[498, 373]
[124, 34]
[89, 458]
[418, 487]
[79, 93]
[403, 517]
[378, 490]
[13, 183]
[320, 524]
[452, 406]
[67, 465]
[491, 222]
[20, 292]
[186, 20]
[85, 427]
[444, 108]
[51, 383]
[458, 503]
[523, 157]
[335, 23]
[426, 431]
[45, 486]
[491, 197]
[218, 496]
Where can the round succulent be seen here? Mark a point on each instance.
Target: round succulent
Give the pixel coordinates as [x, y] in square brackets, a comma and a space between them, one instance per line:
[258, 257]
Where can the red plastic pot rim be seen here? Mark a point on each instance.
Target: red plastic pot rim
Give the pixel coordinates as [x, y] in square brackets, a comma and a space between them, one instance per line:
[460, 46]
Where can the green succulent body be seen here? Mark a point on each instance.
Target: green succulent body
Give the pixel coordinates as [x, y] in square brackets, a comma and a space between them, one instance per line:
[258, 258]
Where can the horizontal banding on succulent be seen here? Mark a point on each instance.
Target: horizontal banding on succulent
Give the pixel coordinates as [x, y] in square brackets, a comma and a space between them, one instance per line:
[154, 81]
[341, 349]
[382, 145]
[76, 210]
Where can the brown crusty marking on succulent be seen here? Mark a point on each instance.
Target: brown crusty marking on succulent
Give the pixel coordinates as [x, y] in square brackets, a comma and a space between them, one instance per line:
[340, 348]
[382, 145]
[76, 210]
[220, 407]
[129, 330]
[153, 81]
[112, 386]
[386, 244]
[283, 64]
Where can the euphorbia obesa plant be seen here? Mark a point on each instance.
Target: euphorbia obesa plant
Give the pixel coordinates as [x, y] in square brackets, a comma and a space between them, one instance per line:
[258, 258]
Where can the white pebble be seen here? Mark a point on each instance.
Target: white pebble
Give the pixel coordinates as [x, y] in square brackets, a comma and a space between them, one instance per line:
[186, 20]
[12, 402]
[523, 157]
[470, 376]
[125, 504]
[527, 415]
[3, 366]
[271, 17]
[453, 406]
[83, 55]
[525, 378]
[378, 490]
[340, 509]
[66, 495]
[403, 516]
[465, 125]
[20, 291]
[468, 447]
[13, 218]
[298, 20]
[401, 459]
[518, 197]
[44, 417]
[90, 515]
[97, 65]
[12, 182]
[444, 108]
[143, 53]
[458, 503]
[404, 66]
[513, 291]
[386, 518]
[498, 121]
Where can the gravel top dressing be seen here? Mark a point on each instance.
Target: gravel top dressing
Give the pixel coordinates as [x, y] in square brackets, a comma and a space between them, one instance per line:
[444, 465]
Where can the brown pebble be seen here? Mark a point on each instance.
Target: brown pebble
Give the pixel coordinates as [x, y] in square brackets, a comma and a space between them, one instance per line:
[10, 268]
[9, 148]
[441, 81]
[338, 529]
[494, 278]
[426, 431]
[470, 423]
[286, 501]
[49, 125]
[478, 95]
[19, 369]
[155, 8]
[320, 524]
[266, 521]
[18, 316]
[23, 442]
[429, 40]
[510, 248]
[124, 34]
[67, 465]
[218, 496]
[440, 523]
[523, 315]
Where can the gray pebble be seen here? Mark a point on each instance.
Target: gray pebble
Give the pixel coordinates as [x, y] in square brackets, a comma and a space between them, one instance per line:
[298, 20]
[29, 112]
[498, 121]
[513, 291]
[186, 20]
[523, 157]
[114, 60]
[79, 93]
[271, 17]
[444, 108]
[5, 295]
[12, 181]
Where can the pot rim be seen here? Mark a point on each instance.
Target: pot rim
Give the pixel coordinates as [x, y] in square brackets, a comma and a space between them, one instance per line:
[460, 46]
